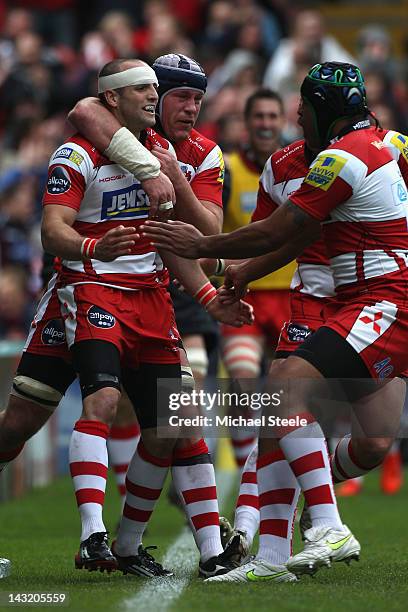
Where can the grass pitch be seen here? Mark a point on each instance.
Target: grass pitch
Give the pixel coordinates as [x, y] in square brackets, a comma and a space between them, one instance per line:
[40, 535]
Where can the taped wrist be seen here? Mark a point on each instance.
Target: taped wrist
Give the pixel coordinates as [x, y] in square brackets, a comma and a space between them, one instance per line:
[205, 295]
[125, 150]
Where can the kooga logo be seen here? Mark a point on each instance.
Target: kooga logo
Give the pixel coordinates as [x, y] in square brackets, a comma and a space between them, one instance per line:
[98, 317]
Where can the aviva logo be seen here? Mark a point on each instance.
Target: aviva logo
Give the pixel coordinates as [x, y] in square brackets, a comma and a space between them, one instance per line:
[325, 170]
[128, 202]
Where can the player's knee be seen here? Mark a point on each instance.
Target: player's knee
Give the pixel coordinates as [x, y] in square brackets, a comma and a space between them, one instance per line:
[102, 405]
[371, 451]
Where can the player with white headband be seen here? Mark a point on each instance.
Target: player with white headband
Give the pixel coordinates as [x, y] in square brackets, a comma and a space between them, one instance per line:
[198, 180]
[110, 305]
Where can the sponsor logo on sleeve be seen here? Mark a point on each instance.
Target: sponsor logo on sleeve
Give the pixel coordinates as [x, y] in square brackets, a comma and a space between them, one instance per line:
[221, 174]
[58, 181]
[53, 333]
[69, 153]
[297, 332]
[125, 203]
[401, 142]
[76, 158]
[64, 153]
[100, 318]
[325, 170]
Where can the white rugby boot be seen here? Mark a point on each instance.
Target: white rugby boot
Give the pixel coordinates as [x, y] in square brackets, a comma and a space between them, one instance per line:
[324, 545]
[257, 570]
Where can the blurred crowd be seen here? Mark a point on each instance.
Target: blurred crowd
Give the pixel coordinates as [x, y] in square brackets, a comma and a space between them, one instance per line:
[50, 53]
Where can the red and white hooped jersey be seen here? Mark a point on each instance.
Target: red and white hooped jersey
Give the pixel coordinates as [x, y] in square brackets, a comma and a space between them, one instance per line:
[104, 195]
[202, 163]
[356, 189]
[283, 174]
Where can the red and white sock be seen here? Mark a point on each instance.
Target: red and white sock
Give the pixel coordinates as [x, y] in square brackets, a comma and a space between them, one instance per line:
[88, 463]
[242, 445]
[194, 480]
[344, 464]
[122, 443]
[247, 509]
[7, 456]
[306, 451]
[144, 482]
[278, 496]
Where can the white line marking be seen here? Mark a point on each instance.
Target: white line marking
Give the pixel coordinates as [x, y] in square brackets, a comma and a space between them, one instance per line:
[182, 557]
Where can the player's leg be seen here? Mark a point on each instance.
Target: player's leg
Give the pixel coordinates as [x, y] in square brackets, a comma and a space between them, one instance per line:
[305, 317]
[38, 386]
[242, 355]
[122, 442]
[373, 433]
[147, 470]
[98, 365]
[194, 478]
[43, 376]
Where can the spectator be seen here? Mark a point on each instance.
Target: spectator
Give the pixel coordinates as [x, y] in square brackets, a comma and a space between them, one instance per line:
[118, 32]
[308, 44]
[15, 312]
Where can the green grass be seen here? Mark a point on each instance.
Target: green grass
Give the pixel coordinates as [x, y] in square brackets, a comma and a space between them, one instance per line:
[40, 535]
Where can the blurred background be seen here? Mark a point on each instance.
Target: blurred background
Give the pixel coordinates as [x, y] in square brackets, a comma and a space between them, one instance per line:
[50, 53]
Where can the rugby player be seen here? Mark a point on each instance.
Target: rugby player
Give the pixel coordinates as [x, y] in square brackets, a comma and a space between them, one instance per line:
[354, 190]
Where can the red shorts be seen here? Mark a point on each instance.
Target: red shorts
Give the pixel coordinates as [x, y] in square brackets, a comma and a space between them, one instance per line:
[271, 310]
[377, 329]
[305, 318]
[140, 324]
[47, 331]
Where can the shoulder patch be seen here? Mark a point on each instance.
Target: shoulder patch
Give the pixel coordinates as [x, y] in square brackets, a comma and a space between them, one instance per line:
[401, 142]
[58, 181]
[69, 153]
[325, 170]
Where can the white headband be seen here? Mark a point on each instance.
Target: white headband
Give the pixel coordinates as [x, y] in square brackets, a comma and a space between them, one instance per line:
[140, 75]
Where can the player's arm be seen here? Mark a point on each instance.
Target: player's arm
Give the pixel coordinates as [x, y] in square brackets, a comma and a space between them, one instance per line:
[61, 239]
[257, 238]
[257, 267]
[196, 284]
[239, 274]
[204, 215]
[103, 130]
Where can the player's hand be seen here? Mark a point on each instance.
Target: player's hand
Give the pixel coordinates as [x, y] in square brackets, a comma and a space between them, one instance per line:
[115, 243]
[168, 164]
[235, 284]
[175, 236]
[236, 314]
[159, 191]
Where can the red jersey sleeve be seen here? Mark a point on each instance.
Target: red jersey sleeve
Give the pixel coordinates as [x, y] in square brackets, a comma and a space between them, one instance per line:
[65, 186]
[209, 179]
[265, 205]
